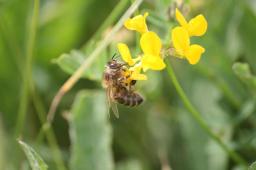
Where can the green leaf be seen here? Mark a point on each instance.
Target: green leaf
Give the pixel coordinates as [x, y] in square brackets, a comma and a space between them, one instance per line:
[246, 110]
[70, 62]
[242, 70]
[216, 118]
[35, 161]
[129, 165]
[252, 166]
[90, 133]
[2, 146]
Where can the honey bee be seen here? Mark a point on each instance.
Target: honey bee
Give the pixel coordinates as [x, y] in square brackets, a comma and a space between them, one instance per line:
[117, 88]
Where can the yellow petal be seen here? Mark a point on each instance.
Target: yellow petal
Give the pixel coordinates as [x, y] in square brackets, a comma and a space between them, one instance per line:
[180, 40]
[135, 72]
[138, 76]
[197, 26]
[194, 53]
[150, 43]
[125, 53]
[135, 60]
[152, 62]
[180, 18]
[137, 23]
[136, 68]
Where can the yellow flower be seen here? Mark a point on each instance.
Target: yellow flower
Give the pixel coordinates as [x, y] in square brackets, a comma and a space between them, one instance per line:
[133, 72]
[151, 59]
[197, 26]
[125, 53]
[151, 46]
[137, 23]
[181, 43]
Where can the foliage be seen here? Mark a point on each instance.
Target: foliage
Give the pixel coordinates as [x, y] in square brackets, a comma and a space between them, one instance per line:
[35, 160]
[90, 133]
[159, 133]
[71, 62]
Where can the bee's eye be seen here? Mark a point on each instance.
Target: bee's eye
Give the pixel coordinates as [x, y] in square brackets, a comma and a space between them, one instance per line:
[112, 65]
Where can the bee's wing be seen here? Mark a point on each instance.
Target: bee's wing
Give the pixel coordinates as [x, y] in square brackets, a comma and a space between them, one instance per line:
[111, 103]
[114, 109]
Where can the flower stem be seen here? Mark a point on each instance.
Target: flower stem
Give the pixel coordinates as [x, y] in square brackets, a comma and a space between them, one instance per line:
[50, 136]
[113, 16]
[27, 74]
[198, 118]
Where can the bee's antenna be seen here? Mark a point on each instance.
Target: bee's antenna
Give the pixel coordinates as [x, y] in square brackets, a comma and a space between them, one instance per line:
[114, 56]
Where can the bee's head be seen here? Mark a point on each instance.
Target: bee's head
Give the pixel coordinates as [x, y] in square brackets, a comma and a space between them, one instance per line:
[113, 64]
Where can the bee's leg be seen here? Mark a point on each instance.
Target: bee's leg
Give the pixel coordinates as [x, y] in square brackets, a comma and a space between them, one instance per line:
[131, 87]
[121, 80]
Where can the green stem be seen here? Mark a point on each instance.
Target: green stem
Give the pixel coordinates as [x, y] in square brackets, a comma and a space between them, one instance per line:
[10, 43]
[113, 16]
[27, 75]
[137, 35]
[50, 136]
[198, 118]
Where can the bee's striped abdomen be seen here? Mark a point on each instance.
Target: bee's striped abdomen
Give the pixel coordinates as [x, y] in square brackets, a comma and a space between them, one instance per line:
[129, 99]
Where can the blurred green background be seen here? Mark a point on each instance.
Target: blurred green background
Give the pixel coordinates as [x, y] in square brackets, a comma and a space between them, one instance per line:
[39, 53]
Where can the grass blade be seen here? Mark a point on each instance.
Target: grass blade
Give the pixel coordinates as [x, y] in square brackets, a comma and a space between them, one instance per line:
[35, 161]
